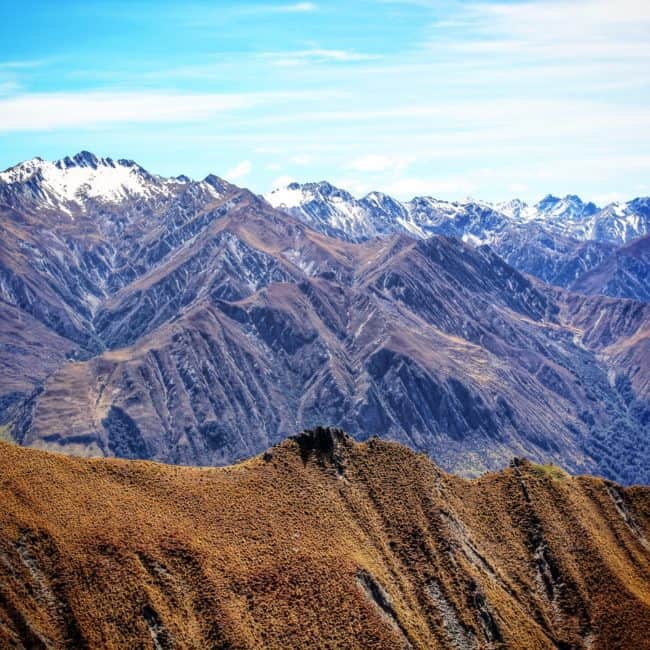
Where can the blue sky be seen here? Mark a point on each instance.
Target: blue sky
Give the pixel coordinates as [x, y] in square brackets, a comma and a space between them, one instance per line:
[441, 97]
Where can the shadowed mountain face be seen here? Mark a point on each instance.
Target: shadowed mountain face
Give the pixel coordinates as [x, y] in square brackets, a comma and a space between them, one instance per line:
[320, 542]
[625, 273]
[191, 322]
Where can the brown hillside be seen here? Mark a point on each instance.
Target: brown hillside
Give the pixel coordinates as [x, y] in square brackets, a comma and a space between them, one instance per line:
[320, 542]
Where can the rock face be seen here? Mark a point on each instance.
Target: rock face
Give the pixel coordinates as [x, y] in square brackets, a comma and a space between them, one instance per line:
[191, 322]
[320, 542]
[557, 240]
[624, 273]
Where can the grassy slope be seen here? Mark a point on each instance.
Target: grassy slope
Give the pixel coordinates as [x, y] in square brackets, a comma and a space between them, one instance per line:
[371, 547]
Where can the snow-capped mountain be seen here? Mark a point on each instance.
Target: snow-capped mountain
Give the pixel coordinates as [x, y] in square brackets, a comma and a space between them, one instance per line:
[331, 209]
[338, 213]
[551, 208]
[73, 183]
[570, 208]
[557, 239]
[328, 209]
[192, 322]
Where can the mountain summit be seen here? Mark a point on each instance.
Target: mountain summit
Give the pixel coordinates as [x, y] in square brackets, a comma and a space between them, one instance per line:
[76, 183]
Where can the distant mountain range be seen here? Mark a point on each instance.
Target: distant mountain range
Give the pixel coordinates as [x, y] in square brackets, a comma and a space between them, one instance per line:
[331, 209]
[557, 240]
[194, 322]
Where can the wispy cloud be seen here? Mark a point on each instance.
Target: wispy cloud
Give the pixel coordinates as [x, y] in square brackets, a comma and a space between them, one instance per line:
[289, 8]
[8, 87]
[379, 163]
[316, 55]
[21, 65]
[282, 181]
[409, 187]
[297, 7]
[239, 171]
[46, 111]
[552, 29]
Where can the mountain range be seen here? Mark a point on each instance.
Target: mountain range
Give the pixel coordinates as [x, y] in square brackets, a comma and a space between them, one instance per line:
[320, 542]
[559, 240]
[195, 322]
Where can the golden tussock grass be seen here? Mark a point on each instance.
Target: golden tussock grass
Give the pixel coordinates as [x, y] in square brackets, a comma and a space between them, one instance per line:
[319, 543]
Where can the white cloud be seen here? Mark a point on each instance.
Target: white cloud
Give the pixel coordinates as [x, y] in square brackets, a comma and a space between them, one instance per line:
[48, 111]
[608, 197]
[378, 163]
[298, 7]
[290, 8]
[355, 186]
[239, 171]
[282, 181]
[316, 55]
[554, 29]
[8, 88]
[19, 65]
[517, 188]
[301, 159]
[409, 187]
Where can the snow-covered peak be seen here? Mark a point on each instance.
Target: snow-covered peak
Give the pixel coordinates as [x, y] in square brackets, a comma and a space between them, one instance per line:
[295, 195]
[571, 207]
[73, 180]
[290, 196]
[516, 209]
[470, 200]
[325, 207]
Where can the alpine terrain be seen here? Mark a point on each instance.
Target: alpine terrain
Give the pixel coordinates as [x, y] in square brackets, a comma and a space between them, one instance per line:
[194, 322]
[557, 240]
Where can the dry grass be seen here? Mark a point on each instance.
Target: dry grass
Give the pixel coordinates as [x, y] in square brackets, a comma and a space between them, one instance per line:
[355, 546]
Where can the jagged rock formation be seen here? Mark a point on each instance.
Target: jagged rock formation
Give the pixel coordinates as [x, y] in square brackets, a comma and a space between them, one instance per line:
[320, 542]
[191, 322]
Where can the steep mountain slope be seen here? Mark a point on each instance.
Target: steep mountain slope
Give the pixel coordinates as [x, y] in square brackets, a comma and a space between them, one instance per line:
[625, 273]
[320, 542]
[204, 326]
[434, 344]
[557, 240]
[552, 257]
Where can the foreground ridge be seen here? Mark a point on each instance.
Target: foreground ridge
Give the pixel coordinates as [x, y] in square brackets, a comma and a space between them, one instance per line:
[318, 542]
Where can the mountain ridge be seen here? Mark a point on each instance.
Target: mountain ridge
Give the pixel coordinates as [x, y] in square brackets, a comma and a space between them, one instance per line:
[319, 541]
[576, 215]
[207, 325]
[557, 240]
